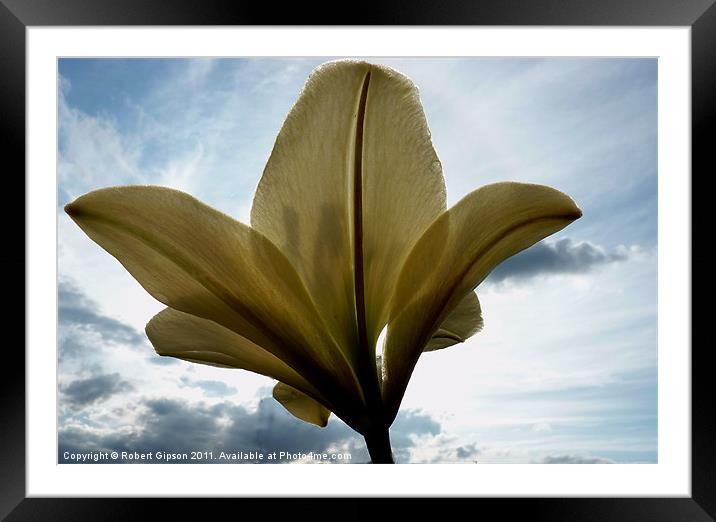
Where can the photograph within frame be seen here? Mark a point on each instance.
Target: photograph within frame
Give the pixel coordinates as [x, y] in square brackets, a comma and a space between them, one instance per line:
[585, 125]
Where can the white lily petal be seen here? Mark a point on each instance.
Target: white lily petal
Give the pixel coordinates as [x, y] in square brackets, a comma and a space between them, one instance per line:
[202, 262]
[453, 256]
[462, 323]
[301, 405]
[351, 184]
[185, 336]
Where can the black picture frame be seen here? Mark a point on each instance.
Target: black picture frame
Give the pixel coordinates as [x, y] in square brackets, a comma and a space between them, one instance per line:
[17, 15]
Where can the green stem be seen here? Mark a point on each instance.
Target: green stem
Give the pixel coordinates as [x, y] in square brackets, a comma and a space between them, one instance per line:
[378, 442]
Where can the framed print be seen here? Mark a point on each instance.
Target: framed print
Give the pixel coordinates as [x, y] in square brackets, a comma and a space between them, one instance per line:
[273, 203]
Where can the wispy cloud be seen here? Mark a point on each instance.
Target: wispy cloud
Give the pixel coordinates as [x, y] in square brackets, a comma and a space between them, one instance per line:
[574, 459]
[93, 152]
[210, 388]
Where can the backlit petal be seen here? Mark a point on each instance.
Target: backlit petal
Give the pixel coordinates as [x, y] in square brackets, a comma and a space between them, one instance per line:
[185, 336]
[462, 323]
[197, 260]
[352, 182]
[453, 256]
[403, 187]
[301, 405]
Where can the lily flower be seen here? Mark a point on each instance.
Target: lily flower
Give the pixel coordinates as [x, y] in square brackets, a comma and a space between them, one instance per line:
[349, 234]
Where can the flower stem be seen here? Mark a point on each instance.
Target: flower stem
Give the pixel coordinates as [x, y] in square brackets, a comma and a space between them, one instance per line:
[378, 442]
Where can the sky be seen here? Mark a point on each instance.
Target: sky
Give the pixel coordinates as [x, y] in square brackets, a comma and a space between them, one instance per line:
[565, 368]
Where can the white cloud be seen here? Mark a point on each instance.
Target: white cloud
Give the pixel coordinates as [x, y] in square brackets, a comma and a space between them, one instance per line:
[93, 153]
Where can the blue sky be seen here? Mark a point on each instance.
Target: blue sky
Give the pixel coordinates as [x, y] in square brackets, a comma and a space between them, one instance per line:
[565, 368]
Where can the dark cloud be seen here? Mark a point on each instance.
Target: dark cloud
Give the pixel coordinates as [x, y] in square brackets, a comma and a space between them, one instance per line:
[562, 256]
[77, 311]
[469, 451]
[173, 426]
[210, 388]
[407, 425]
[444, 451]
[71, 344]
[94, 389]
[574, 459]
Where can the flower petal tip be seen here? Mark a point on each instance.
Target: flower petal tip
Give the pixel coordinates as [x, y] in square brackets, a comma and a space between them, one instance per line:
[572, 212]
[70, 209]
[576, 211]
[76, 208]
